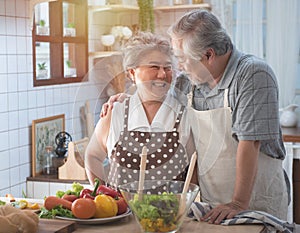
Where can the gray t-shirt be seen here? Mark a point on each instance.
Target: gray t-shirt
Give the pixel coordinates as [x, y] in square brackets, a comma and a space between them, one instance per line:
[253, 98]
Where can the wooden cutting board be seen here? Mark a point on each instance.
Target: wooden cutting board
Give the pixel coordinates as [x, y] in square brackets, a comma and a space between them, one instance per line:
[56, 226]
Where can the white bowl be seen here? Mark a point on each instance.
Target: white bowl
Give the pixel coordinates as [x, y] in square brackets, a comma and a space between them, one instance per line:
[107, 40]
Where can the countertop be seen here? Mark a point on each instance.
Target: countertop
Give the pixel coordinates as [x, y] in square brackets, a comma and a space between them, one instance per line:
[129, 224]
[291, 134]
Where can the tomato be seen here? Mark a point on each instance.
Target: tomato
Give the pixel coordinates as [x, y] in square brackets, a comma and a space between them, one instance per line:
[106, 206]
[122, 205]
[83, 208]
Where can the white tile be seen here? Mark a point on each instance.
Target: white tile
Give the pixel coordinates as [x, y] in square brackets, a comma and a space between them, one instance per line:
[12, 65]
[3, 49]
[4, 183]
[32, 115]
[32, 99]
[11, 26]
[30, 69]
[11, 45]
[21, 8]
[13, 138]
[3, 142]
[3, 102]
[13, 120]
[23, 118]
[49, 96]
[12, 82]
[24, 136]
[16, 190]
[50, 110]
[29, 189]
[4, 160]
[5, 191]
[41, 112]
[40, 98]
[13, 101]
[25, 155]
[14, 174]
[10, 7]
[2, 7]
[22, 63]
[29, 45]
[54, 187]
[3, 122]
[14, 159]
[22, 82]
[3, 64]
[21, 27]
[2, 25]
[21, 45]
[40, 189]
[3, 81]
[24, 172]
[23, 100]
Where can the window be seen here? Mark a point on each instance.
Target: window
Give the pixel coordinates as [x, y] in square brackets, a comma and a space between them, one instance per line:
[60, 43]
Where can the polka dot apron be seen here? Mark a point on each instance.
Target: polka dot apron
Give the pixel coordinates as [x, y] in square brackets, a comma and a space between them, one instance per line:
[166, 156]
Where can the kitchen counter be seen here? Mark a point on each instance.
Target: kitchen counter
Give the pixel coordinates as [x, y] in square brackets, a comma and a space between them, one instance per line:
[129, 224]
[291, 134]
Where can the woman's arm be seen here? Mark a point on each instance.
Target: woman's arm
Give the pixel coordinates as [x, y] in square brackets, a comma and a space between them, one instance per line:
[96, 151]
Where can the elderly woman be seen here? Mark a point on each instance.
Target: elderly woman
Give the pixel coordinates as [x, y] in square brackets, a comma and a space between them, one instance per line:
[151, 117]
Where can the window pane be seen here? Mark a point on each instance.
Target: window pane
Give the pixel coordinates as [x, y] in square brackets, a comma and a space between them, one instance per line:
[69, 60]
[42, 19]
[69, 19]
[42, 60]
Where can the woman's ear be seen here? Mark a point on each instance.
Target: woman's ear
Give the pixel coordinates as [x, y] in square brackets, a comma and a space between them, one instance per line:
[131, 75]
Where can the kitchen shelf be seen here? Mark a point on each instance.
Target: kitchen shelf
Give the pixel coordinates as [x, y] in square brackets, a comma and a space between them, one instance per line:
[183, 7]
[113, 8]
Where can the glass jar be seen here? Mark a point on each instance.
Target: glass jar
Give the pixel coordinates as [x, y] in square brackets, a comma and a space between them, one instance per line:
[48, 168]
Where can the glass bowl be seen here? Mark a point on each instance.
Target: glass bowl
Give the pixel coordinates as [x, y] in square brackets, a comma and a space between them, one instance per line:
[162, 206]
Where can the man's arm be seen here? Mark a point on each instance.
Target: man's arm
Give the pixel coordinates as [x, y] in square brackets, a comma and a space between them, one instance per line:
[246, 169]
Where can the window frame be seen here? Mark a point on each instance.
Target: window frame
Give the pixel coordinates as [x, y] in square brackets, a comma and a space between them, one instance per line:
[56, 40]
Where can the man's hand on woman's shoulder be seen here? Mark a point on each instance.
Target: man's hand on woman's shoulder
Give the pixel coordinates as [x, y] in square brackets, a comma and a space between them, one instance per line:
[120, 97]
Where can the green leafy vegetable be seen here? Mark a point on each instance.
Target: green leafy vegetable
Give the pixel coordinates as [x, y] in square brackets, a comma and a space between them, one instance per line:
[75, 190]
[2, 202]
[56, 211]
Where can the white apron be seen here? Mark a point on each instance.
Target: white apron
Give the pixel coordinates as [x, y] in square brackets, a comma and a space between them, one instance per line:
[216, 149]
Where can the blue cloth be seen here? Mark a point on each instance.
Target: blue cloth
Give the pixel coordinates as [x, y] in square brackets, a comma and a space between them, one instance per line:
[271, 223]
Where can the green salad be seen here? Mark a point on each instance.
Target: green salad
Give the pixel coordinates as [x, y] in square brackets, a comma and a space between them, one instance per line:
[156, 213]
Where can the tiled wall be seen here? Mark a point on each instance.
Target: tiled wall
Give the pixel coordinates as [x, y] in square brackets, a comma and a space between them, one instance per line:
[20, 102]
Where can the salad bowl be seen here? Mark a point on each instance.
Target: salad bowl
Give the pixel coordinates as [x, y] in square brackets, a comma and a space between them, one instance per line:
[161, 206]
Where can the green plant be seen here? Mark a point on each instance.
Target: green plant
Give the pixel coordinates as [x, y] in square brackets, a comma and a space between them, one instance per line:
[70, 25]
[69, 63]
[146, 15]
[42, 23]
[42, 66]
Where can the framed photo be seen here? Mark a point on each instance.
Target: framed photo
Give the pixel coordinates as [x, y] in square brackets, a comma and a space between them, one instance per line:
[44, 131]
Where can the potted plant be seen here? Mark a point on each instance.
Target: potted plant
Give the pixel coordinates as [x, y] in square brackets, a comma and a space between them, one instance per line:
[42, 72]
[42, 29]
[146, 15]
[70, 71]
[70, 30]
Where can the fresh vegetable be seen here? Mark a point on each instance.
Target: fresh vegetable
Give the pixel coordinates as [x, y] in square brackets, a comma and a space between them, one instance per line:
[23, 204]
[84, 208]
[106, 206]
[156, 213]
[2, 203]
[69, 197]
[75, 190]
[56, 211]
[53, 201]
[86, 193]
[103, 189]
[96, 185]
[122, 205]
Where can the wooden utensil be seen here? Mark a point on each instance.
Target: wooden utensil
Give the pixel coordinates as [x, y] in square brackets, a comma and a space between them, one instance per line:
[182, 202]
[142, 172]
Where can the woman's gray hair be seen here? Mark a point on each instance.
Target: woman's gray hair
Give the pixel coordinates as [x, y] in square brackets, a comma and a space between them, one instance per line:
[142, 43]
[200, 30]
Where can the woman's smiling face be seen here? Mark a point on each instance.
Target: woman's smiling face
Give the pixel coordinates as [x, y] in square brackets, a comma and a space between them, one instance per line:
[153, 76]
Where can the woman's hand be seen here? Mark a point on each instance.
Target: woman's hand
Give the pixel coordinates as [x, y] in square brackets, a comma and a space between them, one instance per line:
[221, 212]
[109, 104]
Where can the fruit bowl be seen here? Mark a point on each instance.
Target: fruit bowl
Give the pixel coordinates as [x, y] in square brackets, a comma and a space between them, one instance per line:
[161, 206]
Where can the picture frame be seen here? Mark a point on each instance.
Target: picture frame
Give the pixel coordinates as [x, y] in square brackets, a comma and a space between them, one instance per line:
[44, 131]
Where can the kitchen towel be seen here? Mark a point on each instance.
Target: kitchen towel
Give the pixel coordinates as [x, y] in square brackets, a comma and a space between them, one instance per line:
[271, 223]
